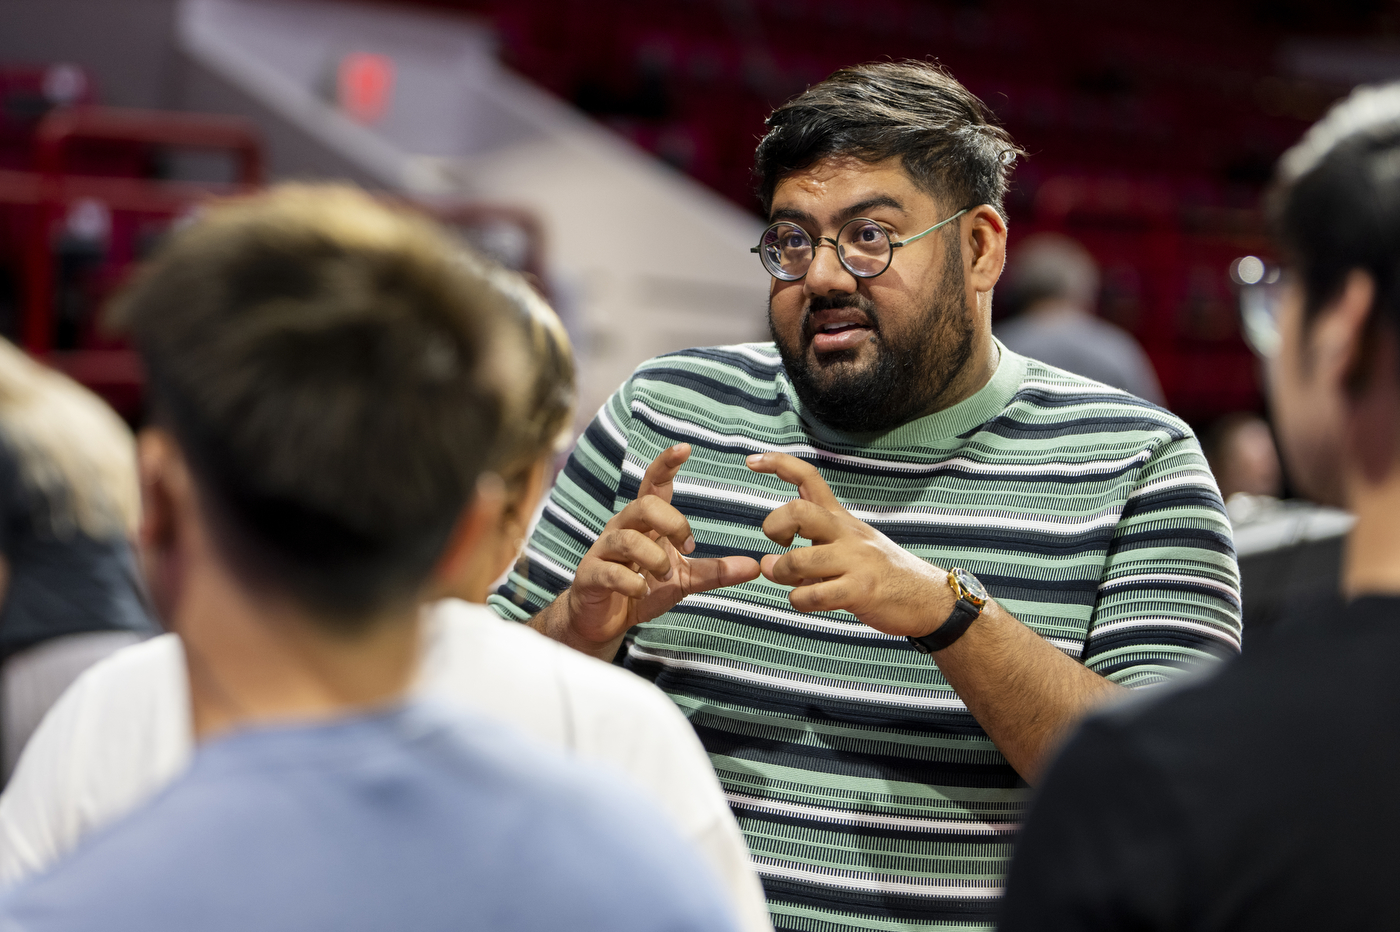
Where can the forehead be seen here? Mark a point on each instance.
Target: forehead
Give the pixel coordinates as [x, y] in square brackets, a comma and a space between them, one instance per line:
[837, 181]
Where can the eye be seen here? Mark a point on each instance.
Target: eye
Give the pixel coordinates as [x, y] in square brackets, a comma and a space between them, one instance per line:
[794, 239]
[867, 234]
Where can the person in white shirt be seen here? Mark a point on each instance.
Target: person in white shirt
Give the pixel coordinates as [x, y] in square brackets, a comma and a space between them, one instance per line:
[123, 730]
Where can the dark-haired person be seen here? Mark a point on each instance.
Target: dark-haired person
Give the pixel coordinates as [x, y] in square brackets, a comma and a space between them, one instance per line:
[1263, 799]
[325, 379]
[880, 780]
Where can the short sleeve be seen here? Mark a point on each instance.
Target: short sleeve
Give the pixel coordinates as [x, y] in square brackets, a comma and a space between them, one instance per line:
[582, 501]
[1169, 593]
[1102, 848]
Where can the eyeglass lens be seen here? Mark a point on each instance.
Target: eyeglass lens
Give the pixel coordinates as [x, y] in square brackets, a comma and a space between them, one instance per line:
[1259, 314]
[862, 246]
[1261, 292]
[786, 251]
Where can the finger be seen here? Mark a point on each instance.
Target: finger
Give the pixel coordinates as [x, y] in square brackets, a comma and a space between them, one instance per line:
[807, 519]
[651, 514]
[659, 475]
[707, 574]
[827, 596]
[628, 546]
[791, 568]
[767, 566]
[604, 577]
[810, 484]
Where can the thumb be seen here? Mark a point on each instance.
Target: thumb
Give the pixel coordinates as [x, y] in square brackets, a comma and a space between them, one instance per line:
[716, 573]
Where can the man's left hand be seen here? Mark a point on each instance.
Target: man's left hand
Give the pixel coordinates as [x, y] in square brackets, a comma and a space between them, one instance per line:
[850, 565]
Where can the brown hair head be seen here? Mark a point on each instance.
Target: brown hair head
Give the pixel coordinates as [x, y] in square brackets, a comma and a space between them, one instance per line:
[331, 368]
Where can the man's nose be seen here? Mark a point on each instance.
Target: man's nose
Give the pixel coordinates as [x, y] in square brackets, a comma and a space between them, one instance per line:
[827, 275]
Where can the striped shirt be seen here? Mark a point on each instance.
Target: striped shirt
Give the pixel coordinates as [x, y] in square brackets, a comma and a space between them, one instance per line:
[870, 797]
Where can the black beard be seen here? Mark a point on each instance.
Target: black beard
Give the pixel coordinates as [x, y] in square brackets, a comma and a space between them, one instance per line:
[911, 371]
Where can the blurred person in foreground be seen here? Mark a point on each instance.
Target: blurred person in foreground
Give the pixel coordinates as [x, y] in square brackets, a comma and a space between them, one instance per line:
[124, 730]
[325, 379]
[880, 779]
[1053, 285]
[1264, 798]
[69, 590]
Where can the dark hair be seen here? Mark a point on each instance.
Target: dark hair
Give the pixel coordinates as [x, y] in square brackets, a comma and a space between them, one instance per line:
[324, 363]
[1335, 202]
[911, 110]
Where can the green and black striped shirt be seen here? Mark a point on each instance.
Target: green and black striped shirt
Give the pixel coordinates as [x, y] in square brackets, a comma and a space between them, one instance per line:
[870, 797]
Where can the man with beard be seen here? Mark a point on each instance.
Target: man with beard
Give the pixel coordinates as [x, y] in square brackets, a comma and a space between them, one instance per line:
[980, 549]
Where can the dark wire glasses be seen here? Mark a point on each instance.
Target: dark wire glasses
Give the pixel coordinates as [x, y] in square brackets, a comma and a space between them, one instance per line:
[1261, 295]
[862, 246]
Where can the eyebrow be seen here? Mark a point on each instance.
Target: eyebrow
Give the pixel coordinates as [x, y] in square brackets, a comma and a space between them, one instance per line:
[846, 213]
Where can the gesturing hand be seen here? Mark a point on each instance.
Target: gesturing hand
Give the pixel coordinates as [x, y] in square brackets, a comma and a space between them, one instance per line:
[637, 568]
[850, 565]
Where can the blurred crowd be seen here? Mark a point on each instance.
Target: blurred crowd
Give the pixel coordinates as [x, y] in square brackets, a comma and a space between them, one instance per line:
[894, 622]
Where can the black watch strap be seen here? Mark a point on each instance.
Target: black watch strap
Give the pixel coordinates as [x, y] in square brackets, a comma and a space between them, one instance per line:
[963, 615]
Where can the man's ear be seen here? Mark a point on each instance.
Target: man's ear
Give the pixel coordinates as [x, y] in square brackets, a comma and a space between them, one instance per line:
[167, 507]
[478, 519]
[157, 509]
[521, 508]
[1337, 350]
[985, 247]
[1359, 358]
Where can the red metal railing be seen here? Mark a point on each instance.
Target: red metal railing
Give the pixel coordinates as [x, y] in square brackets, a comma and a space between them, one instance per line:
[51, 191]
[36, 211]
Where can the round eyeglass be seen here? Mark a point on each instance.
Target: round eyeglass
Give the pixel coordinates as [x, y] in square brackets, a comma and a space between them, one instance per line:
[863, 247]
[1261, 297]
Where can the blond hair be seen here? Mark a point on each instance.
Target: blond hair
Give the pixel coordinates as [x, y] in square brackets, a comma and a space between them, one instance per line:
[542, 408]
[74, 453]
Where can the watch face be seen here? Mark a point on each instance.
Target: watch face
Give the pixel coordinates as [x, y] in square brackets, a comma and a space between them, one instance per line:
[971, 585]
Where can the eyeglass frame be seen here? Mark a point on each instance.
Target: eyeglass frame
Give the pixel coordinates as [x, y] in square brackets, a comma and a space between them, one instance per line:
[1259, 296]
[818, 240]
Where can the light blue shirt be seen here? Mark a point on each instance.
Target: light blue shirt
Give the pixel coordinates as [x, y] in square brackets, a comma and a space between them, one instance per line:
[414, 819]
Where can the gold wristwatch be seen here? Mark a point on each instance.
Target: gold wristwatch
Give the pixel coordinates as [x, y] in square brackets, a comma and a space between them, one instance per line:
[971, 596]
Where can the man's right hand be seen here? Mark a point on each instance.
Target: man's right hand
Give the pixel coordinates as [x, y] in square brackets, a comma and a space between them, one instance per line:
[637, 569]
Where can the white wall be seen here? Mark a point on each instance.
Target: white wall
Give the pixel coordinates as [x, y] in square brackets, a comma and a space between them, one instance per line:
[645, 260]
[126, 44]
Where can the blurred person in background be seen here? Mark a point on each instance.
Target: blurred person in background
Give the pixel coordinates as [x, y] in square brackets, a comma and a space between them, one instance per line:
[875, 711]
[1290, 550]
[1264, 799]
[326, 381]
[1242, 455]
[124, 730]
[69, 588]
[1051, 290]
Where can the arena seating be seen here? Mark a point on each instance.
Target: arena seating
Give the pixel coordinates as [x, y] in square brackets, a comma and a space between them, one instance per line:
[86, 191]
[1150, 132]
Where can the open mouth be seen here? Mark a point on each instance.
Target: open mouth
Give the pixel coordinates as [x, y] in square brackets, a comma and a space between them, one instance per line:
[841, 327]
[840, 335]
